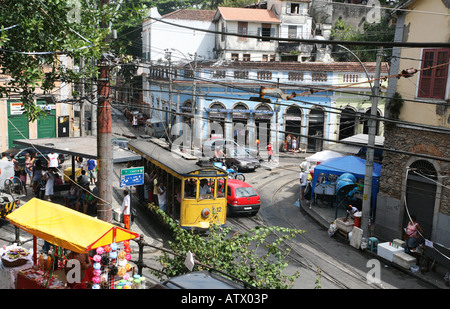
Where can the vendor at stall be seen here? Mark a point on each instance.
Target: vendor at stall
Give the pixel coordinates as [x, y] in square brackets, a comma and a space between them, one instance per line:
[351, 212]
[78, 270]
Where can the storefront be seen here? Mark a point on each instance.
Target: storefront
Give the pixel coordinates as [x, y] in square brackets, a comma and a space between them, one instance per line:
[18, 125]
[316, 129]
[292, 125]
[263, 119]
[240, 118]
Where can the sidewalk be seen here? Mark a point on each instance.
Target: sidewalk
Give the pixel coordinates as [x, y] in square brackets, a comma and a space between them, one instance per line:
[325, 215]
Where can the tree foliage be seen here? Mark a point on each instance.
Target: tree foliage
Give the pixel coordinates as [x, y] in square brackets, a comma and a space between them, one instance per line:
[36, 35]
[235, 254]
[374, 32]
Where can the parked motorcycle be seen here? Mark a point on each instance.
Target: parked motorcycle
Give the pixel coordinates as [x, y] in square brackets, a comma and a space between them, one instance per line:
[233, 172]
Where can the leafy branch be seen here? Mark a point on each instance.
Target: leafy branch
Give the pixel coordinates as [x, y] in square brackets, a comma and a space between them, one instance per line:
[237, 254]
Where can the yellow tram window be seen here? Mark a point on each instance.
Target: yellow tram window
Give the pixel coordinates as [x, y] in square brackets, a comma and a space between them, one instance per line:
[190, 188]
[206, 188]
[221, 188]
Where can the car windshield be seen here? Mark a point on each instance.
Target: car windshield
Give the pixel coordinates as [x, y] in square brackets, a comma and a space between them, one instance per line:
[245, 192]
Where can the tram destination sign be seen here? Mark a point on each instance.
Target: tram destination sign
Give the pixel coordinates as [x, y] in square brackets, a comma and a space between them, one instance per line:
[133, 176]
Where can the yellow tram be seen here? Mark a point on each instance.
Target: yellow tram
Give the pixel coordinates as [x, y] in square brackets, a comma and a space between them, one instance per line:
[193, 197]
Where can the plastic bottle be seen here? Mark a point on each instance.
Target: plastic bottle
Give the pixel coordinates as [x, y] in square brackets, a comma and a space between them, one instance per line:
[136, 284]
[143, 283]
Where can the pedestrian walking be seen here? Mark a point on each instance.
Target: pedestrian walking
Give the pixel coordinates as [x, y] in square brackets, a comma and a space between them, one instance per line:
[91, 167]
[303, 182]
[126, 204]
[294, 145]
[134, 122]
[50, 184]
[53, 159]
[269, 152]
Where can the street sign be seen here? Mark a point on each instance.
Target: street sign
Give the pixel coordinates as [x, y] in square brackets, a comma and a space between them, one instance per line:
[131, 176]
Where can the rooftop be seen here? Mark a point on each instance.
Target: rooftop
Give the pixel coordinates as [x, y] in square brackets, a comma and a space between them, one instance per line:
[186, 14]
[247, 15]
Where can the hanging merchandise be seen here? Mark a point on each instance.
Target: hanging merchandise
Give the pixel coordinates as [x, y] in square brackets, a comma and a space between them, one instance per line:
[110, 261]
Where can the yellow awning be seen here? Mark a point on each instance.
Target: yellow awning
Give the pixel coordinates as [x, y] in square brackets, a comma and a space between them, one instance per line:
[66, 227]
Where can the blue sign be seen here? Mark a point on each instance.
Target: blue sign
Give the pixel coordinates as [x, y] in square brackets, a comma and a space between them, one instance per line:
[132, 176]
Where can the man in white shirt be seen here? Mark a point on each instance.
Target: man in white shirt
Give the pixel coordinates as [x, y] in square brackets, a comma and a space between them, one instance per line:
[303, 181]
[53, 159]
[161, 195]
[126, 204]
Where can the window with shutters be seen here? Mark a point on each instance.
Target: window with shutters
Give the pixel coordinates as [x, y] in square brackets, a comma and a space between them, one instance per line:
[319, 77]
[242, 29]
[241, 74]
[266, 32]
[292, 32]
[266, 75]
[295, 76]
[433, 81]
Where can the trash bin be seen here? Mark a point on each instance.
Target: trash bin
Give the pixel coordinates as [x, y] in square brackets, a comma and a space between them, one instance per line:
[358, 216]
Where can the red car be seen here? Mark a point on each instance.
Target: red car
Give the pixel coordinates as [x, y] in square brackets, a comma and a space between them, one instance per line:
[242, 198]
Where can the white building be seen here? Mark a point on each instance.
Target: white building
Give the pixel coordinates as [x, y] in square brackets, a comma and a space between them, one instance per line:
[159, 36]
[244, 21]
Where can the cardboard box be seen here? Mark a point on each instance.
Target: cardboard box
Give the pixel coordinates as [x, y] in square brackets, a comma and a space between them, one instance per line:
[345, 226]
[398, 242]
[387, 251]
[404, 260]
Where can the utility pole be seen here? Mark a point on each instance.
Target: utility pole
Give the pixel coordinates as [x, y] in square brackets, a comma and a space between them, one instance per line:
[169, 59]
[83, 101]
[104, 133]
[367, 193]
[195, 132]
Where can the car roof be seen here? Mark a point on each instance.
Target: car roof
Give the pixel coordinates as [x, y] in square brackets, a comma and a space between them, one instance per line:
[200, 280]
[235, 183]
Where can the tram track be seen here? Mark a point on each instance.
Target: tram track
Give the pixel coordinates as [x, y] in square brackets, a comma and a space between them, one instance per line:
[295, 249]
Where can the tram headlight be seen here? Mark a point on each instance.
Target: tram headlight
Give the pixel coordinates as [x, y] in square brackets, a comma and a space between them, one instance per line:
[206, 212]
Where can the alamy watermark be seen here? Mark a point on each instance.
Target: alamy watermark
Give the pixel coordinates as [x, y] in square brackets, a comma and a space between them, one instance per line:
[374, 274]
[74, 14]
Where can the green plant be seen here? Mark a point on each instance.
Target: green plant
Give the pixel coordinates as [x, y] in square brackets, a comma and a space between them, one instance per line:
[394, 105]
[236, 254]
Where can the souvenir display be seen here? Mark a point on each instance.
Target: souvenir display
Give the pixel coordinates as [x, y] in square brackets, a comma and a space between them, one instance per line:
[111, 261]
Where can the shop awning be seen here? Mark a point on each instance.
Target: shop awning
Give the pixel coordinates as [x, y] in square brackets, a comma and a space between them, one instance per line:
[85, 147]
[66, 227]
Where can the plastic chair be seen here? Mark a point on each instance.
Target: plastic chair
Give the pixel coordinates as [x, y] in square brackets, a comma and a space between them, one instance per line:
[372, 244]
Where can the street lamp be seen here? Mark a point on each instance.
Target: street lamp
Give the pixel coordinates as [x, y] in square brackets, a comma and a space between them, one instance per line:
[195, 131]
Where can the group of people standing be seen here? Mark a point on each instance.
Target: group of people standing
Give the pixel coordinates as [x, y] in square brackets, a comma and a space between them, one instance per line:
[80, 195]
[292, 144]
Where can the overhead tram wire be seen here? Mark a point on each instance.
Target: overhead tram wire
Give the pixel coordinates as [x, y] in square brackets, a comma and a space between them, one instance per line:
[329, 109]
[143, 64]
[419, 101]
[379, 118]
[315, 41]
[189, 115]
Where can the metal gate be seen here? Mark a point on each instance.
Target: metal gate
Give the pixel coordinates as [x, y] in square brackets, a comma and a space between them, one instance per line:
[420, 199]
[46, 126]
[17, 123]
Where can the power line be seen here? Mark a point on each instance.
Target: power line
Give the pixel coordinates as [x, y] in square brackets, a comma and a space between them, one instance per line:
[296, 134]
[315, 41]
[304, 102]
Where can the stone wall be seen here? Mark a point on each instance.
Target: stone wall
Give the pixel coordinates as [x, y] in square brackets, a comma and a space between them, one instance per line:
[389, 215]
[416, 141]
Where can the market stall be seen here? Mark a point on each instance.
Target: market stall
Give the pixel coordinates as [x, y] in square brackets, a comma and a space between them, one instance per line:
[343, 165]
[71, 230]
